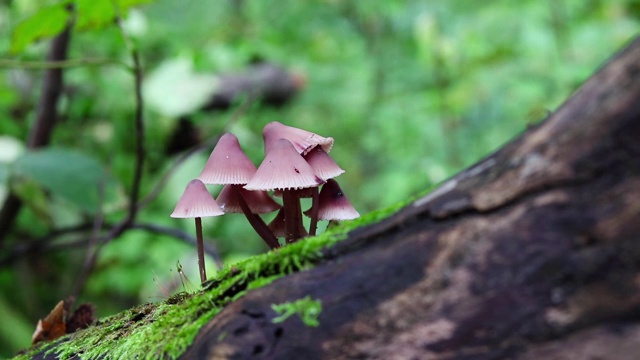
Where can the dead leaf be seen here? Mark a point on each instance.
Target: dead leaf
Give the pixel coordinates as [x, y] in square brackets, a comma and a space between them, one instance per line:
[52, 326]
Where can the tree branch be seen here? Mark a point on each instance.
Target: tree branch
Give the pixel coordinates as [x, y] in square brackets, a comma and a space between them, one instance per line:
[46, 117]
[45, 244]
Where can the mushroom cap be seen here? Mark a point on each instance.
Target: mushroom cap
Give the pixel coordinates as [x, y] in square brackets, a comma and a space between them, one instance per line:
[196, 202]
[333, 204]
[322, 163]
[283, 168]
[227, 164]
[302, 140]
[259, 202]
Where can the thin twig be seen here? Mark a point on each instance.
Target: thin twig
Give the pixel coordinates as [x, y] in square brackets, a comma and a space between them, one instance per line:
[130, 217]
[57, 64]
[93, 245]
[42, 243]
[139, 126]
[45, 244]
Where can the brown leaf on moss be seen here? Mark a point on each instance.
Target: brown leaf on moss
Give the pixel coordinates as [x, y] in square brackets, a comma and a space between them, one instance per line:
[52, 326]
[59, 323]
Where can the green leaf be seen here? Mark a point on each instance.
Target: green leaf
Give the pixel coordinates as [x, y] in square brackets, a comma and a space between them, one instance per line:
[47, 22]
[92, 14]
[68, 174]
[51, 20]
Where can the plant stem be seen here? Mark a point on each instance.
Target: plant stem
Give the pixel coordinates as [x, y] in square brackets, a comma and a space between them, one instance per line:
[314, 213]
[200, 242]
[256, 221]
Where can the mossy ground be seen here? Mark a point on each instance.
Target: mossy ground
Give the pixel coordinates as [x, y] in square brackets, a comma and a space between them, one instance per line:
[143, 332]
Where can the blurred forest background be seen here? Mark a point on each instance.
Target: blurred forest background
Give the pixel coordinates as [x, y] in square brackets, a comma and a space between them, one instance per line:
[412, 91]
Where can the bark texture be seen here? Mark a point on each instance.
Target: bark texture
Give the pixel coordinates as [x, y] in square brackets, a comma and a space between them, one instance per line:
[533, 253]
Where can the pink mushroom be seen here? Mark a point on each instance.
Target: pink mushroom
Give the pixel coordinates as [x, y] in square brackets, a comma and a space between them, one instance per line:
[302, 140]
[196, 202]
[228, 165]
[333, 204]
[285, 169]
[326, 169]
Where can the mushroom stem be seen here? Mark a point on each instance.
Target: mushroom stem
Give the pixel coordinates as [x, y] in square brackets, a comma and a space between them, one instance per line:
[256, 221]
[313, 225]
[292, 215]
[203, 272]
[288, 215]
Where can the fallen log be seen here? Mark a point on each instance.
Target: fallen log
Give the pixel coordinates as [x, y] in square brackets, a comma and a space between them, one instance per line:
[532, 253]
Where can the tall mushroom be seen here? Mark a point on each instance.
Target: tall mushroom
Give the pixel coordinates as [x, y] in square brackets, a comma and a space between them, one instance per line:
[285, 169]
[315, 150]
[196, 202]
[228, 165]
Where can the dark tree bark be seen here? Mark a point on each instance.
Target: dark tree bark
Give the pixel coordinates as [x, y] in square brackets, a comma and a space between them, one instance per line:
[533, 253]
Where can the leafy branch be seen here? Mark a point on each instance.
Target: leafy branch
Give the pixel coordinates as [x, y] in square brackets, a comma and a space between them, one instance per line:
[46, 117]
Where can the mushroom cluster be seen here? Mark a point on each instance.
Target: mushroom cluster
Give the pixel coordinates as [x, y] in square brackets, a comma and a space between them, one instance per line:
[296, 165]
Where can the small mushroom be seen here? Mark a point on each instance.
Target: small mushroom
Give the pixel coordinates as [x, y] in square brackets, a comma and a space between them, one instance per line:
[196, 202]
[333, 204]
[285, 169]
[322, 163]
[228, 165]
[326, 169]
[302, 140]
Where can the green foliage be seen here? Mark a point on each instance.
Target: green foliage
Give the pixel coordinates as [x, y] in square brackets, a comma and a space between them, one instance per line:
[306, 308]
[94, 14]
[412, 91]
[50, 21]
[47, 22]
[69, 174]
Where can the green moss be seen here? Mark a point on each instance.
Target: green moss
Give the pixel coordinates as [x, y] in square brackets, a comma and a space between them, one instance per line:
[165, 330]
[306, 308]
